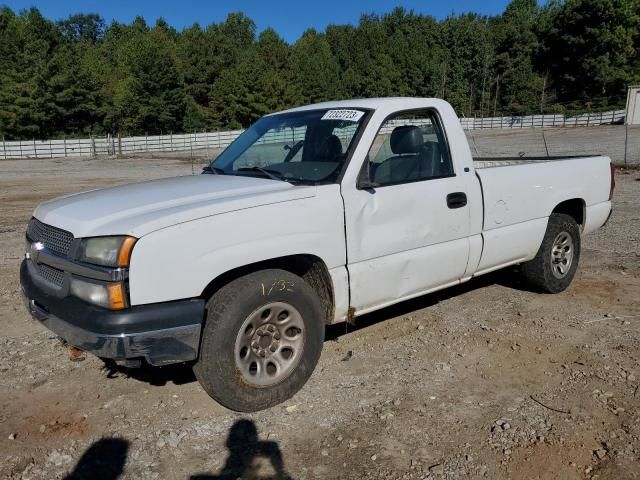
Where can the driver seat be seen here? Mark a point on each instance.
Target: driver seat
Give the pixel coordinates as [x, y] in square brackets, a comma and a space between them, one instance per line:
[407, 164]
[333, 149]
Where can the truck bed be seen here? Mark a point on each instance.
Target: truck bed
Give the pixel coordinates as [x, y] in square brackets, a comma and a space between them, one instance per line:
[491, 162]
[518, 200]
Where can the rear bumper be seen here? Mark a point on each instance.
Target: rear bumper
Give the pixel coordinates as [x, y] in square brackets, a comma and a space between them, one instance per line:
[161, 333]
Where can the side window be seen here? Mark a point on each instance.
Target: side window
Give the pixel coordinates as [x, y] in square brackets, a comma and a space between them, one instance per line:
[409, 147]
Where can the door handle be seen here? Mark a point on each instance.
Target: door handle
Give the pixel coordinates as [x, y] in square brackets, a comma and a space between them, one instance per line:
[456, 200]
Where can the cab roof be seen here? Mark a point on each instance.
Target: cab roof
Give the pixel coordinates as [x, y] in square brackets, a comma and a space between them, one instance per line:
[380, 103]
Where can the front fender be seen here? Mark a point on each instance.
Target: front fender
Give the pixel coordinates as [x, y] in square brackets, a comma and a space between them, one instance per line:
[178, 262]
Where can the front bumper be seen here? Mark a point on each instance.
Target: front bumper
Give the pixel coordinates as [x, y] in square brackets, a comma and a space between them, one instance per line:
[161, 333]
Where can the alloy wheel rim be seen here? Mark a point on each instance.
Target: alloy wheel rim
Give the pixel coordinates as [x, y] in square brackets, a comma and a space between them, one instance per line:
[562, 255]
[269, 344]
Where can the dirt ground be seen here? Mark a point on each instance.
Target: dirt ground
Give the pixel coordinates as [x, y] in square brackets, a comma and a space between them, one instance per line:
[487, 380]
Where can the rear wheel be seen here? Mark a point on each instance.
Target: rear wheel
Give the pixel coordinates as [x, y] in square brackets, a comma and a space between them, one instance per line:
[261, 341]
[555, 264]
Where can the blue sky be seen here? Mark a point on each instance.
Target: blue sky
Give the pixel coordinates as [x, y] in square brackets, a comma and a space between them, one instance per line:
[288, 17]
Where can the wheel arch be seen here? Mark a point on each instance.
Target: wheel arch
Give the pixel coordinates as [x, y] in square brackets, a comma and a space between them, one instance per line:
[311, 268]
[575, 208]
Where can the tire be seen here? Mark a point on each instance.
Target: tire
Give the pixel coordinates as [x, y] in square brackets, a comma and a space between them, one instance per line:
[251, 323]
[553, 275]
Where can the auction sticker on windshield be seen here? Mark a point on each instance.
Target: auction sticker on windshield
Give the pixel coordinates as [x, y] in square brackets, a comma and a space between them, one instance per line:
[349, 115]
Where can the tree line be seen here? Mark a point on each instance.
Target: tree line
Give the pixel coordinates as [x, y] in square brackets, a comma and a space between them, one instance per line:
[79, 76]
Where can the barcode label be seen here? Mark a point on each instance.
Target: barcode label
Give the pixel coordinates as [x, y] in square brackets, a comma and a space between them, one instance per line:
[349, 115]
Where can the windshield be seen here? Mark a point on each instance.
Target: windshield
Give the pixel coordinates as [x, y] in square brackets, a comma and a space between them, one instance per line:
[308, 147]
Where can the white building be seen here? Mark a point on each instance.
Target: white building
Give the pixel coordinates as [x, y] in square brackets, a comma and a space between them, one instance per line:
[633, 106]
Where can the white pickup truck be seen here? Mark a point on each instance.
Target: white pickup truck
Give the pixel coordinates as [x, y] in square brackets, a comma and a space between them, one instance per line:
[313, 215]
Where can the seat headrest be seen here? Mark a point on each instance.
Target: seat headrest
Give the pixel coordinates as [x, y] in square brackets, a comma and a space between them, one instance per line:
[406, 139]
[335, 146]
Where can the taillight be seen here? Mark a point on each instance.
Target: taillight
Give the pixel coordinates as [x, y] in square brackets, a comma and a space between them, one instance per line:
[613, 180]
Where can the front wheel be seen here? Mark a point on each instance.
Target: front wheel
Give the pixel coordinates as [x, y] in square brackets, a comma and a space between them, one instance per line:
[555, 264]
[261, 340]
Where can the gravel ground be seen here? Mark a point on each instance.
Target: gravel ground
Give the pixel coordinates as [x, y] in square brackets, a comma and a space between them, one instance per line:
[485, 380]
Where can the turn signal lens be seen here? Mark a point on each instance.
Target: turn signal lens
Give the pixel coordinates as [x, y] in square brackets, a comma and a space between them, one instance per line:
[116, 296]
[125, 251]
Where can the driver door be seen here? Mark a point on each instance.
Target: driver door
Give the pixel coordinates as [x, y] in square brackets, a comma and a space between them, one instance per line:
[407, 234]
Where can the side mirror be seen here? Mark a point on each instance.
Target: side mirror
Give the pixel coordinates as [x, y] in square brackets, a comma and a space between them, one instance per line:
[364, 177]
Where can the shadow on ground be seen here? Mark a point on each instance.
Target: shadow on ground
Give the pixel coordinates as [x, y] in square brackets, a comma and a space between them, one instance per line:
[178, 374]
[106, 458]
[246, 452]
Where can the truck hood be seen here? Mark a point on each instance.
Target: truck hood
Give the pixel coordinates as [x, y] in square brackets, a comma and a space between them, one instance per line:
[140, 208]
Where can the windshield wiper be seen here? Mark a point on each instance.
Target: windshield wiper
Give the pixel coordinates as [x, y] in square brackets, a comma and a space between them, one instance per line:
[214, 170]
[272, 174]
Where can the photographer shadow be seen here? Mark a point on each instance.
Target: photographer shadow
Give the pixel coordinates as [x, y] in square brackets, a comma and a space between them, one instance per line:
[249, 458]
[103, 460]
[247, 455]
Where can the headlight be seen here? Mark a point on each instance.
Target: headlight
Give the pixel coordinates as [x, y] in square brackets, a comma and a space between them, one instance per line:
[107, 251]
[107, 295]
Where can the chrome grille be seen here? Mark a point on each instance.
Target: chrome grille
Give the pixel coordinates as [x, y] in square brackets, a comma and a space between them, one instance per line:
[55, 239]
[50, 274]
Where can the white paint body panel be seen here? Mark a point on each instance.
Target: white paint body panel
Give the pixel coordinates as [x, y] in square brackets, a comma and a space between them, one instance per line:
[522, 192]
[403, 239]
[518, 199]
[140, 208]
[340, 279]
[596, 216]
[380, 248]
[203, 249]
[511, 244]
